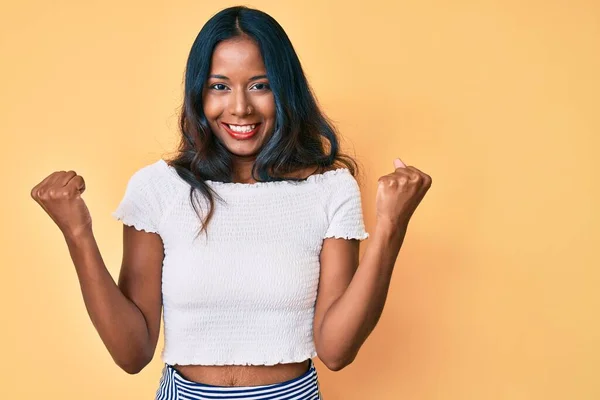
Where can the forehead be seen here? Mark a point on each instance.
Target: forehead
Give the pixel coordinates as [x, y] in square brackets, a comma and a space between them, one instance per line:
[237, 56]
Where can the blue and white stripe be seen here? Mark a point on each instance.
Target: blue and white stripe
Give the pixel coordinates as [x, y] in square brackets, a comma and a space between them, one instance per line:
[173, 386]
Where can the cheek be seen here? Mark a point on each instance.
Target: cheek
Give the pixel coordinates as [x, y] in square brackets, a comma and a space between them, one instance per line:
[266, 107]
[212, 107]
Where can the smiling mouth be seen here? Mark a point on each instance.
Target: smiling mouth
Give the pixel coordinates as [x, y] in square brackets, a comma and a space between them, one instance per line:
[241, 131]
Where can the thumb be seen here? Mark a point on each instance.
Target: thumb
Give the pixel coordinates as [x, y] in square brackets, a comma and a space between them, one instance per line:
[398, 163]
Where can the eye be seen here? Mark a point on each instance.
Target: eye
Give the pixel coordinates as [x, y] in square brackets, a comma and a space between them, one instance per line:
[262, 86]
[218, 87]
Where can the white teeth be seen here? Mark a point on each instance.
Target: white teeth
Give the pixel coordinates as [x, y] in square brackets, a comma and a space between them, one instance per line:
[242, 129]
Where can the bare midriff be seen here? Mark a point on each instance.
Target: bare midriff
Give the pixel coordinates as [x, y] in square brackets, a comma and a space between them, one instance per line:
[242, 375]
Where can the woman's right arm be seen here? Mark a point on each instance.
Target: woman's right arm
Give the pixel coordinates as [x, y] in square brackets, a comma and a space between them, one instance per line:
[127, 315]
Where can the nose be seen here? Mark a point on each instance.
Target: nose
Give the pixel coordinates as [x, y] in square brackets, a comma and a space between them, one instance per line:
[240, 105]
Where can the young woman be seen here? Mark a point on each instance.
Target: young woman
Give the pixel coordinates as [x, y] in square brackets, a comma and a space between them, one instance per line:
[248, 239]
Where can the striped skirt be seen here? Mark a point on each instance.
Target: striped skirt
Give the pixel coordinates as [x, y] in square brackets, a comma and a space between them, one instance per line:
[173, 386]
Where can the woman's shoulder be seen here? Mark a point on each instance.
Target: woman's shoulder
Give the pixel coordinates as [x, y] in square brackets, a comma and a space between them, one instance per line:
[314, 171]
[153, 179]
[306, 173]
[149, 173]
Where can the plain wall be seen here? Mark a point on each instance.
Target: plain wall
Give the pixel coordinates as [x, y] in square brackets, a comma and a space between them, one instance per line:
[495, 291]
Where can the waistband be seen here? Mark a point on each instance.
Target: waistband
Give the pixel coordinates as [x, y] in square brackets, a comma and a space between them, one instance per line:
[173, 386]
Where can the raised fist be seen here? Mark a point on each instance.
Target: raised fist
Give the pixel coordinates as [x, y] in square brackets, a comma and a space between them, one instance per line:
[59, 194]
[400, 192]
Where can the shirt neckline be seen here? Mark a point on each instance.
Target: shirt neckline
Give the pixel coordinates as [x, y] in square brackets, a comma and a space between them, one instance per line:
[240, 185]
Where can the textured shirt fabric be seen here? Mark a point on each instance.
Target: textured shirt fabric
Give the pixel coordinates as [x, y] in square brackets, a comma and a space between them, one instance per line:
[245, 293]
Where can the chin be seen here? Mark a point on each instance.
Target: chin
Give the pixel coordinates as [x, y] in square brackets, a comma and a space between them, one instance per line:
[244, 149]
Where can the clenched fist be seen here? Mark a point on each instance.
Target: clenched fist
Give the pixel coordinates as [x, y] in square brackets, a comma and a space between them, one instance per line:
[399, 193]
[59, 194]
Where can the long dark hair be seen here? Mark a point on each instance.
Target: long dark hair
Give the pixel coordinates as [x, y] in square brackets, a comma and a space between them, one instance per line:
[300, 126]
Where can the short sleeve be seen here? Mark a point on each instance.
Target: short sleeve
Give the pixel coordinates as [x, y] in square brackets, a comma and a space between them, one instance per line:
[344, 209]
[140, 206]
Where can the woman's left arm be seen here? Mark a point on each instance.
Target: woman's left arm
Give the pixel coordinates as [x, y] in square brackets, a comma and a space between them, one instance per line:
[351, 295]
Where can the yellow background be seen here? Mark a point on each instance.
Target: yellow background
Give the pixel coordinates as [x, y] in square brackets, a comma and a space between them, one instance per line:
[495, 292]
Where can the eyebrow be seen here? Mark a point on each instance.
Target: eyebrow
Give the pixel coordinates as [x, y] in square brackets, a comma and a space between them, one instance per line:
[254, 78]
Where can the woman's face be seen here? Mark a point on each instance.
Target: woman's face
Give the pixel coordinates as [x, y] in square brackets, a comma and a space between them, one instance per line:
[237, 99]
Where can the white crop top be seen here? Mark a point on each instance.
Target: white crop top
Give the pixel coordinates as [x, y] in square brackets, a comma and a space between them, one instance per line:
[246, 294]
